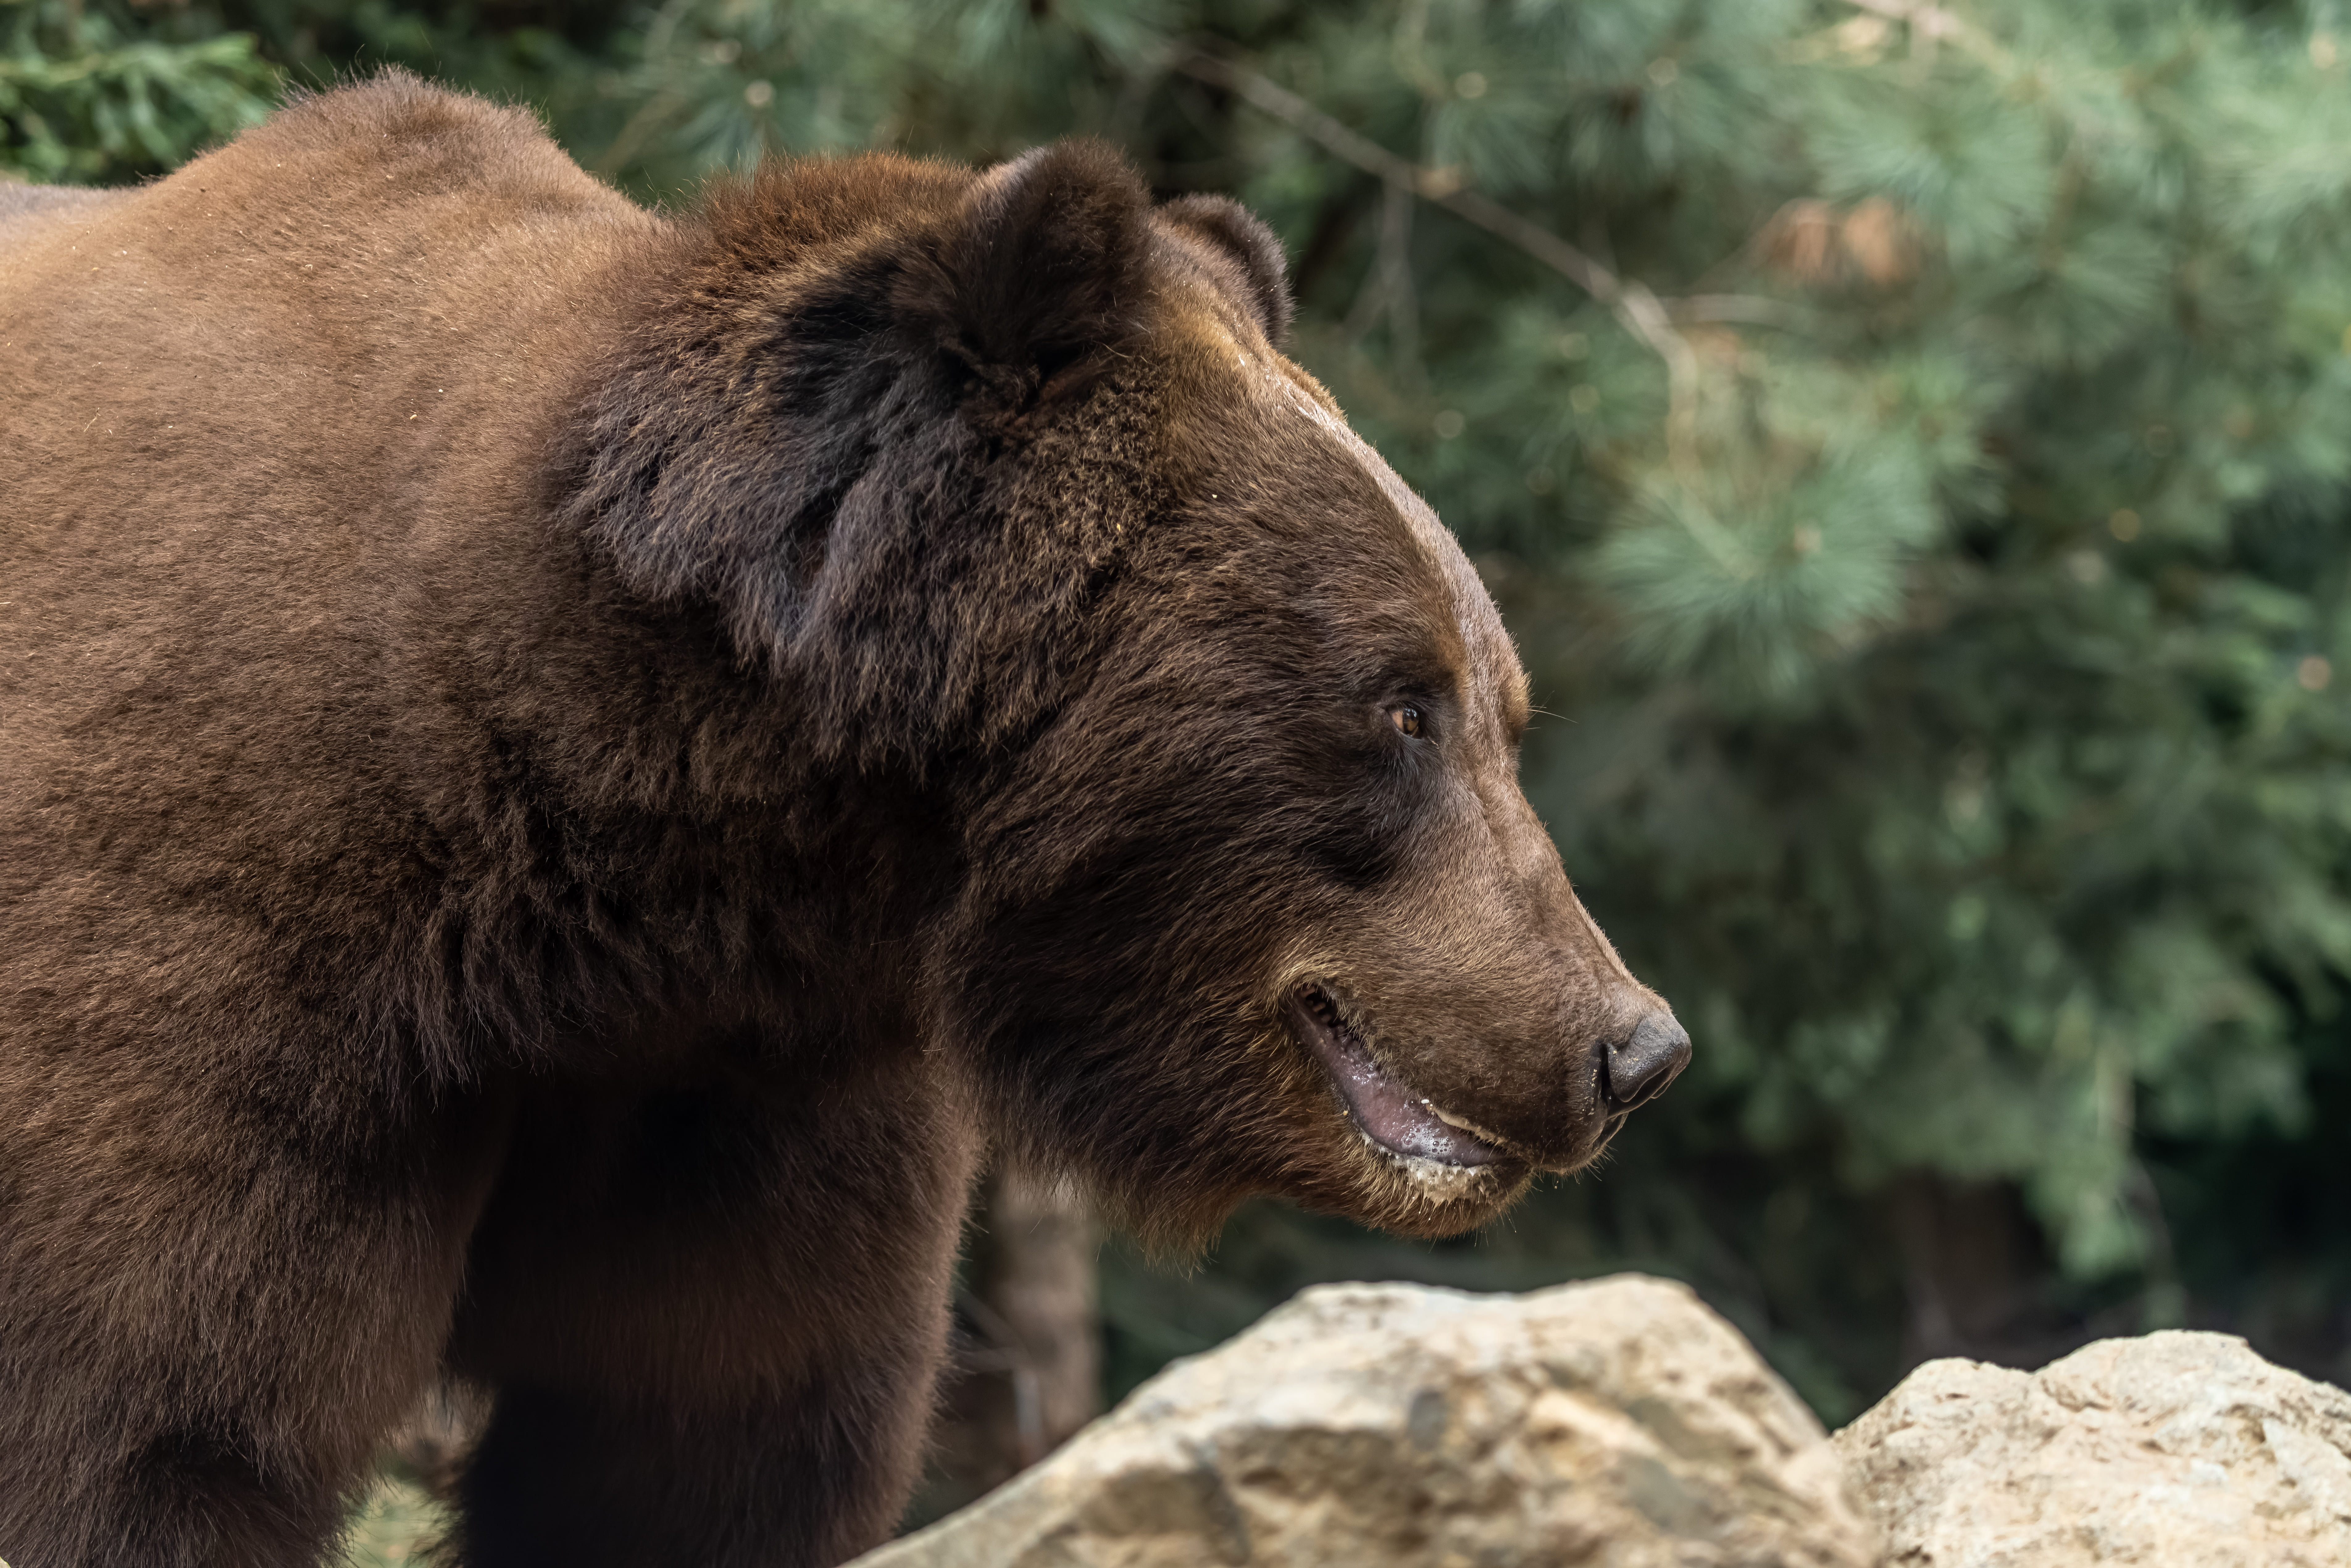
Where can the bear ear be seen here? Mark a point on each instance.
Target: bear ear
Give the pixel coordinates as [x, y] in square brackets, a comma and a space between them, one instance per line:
[1242, 234]
[1041, 265]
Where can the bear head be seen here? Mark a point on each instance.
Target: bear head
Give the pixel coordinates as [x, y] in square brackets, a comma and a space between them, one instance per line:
[1004, 479]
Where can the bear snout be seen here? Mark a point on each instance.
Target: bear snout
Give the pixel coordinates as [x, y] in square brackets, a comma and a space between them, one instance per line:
[1636, 1068]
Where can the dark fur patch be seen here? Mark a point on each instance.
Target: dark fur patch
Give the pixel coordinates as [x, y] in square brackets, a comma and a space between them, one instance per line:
[1041, 265]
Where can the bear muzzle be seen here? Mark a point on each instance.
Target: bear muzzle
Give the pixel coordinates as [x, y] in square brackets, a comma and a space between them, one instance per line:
[1623, 1070]
[1626, 1071]
[1388, 1111]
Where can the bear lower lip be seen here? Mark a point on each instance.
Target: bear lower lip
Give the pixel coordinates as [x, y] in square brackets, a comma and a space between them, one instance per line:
[1387, 1111]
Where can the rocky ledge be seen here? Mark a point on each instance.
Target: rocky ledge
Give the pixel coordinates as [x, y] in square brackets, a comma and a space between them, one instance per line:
[1620, 1423]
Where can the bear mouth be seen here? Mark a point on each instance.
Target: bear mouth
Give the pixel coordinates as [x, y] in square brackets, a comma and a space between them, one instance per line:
[1385, 1109]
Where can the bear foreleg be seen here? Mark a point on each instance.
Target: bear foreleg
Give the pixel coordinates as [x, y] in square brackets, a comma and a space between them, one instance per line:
[709, 1319]
[211, 1306]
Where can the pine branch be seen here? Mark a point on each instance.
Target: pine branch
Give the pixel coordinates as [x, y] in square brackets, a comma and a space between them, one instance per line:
[1930, 24]
[1631, 301]
[1747, 307]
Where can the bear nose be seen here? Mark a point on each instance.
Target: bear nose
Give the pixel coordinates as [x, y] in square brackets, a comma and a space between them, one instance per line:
[1637, 1072]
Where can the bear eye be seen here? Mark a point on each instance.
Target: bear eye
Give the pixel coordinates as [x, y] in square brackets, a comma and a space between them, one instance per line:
[1406, 717]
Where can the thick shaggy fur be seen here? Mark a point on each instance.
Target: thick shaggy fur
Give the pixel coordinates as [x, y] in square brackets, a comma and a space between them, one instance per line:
[563, 770]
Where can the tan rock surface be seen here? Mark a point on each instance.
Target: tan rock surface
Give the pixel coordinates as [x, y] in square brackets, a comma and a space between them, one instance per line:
[2173, 1450]
[1617, 1423]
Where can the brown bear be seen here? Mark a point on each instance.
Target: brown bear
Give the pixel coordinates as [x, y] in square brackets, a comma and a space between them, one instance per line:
[567, 769]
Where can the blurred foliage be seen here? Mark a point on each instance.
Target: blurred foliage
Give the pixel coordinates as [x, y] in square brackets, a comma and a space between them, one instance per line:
[95, 93]
[1932, 556]
[395, 1523]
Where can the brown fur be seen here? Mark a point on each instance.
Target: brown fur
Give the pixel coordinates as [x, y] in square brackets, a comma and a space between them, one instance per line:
[565, 769]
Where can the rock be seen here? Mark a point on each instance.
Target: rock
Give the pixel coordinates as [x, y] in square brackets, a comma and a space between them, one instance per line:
[1617, 1423]
[2175, 1450]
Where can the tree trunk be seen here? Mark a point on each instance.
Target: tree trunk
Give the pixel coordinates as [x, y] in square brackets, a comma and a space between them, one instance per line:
[1027, 1362]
